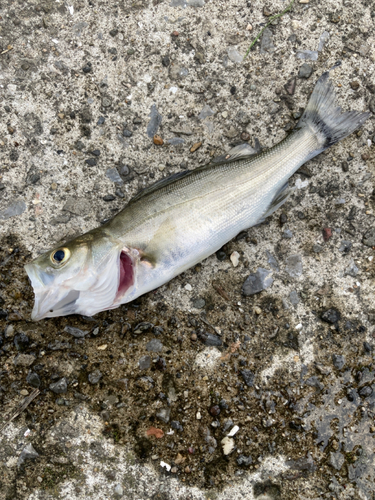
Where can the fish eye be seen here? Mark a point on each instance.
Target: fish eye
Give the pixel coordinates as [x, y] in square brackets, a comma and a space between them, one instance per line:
[60, 256]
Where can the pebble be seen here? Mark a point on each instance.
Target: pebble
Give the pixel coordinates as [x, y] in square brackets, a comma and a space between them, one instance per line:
[91, 162]
[266, 44]
[24, 392]
[16, 207]
[351, 270]
[109, 197]
[338, 361]
[345, 246]
[158, 140]
[21, 341]
[258, 281]
[127, 133]
[233, 431]
[228, 445]
[365, 392]
[119, 490]
[206, 112]
[177, 72]
[33, 379]
[248, 377]
[287, 234]
[354, 85]
[305, 71]
[290, 87]
[114, 176]
[215, 411]
[195, 146]
[234, 55]
[327, 233]
[95, 376]
[198, 416]
[272, 261]
[26, 454]
[324, 37]
[369, 238]
[155, 121]
[294, 265]
[76, 332]
[336, 460]
[242, 460]
[199, 303]
[294, 298]
[164, 414]
[311, 55]
[188, 287]
[24, 360]
[101, 120]
[175, 141]
[331, 316]
[235, 257]
[59, 387]
[154, 346]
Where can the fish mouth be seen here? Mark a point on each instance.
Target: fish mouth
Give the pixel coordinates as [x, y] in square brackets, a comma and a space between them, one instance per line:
[109, 290]
[50, 301]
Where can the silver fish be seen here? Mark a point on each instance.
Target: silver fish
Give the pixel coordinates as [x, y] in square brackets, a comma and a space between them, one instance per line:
[179, 221]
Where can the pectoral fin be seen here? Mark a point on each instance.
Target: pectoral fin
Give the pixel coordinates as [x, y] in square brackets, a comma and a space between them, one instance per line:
[279, 199]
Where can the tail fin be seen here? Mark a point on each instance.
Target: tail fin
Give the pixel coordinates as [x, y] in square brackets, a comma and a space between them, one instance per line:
[326, 120]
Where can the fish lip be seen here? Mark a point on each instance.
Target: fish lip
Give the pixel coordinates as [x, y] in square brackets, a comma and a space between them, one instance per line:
[44, 296]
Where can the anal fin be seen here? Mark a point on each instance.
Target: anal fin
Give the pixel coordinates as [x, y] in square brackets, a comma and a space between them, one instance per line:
[279, 199]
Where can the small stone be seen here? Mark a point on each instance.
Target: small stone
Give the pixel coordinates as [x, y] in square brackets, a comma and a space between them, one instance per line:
[15, 208]
[287, 234]
[128, 133]
[294, 298]
[106, 101]
[351, 270]
[27, 453]
[368, 239]
[144, 362]
[215, 411]
[95, 376]
[76, 332]
[24, 360]
[87, 68]
[338, 361]
[228, 445]
[266, 44]
[206, 112]
[235, 257]
[324, 37]
[317, 248]
[345, 246]
[305, 71]
[310, 55]
[199, 303]
[256, 282]
[164, 415]
[91, 162]
[21, 341]
[113, 32]
[294, 266]
[24, 392]
[365, 392]
[198, 416]
[114, 176]
[245, 136]
[59, 387]
[221, 255]
[248, 377]
[327, 233]
[331, 316]
[158, 140]
[354, 85]
[119, 490]
[101, 120]
[234, 55]
[155, 121]
[109, 197]
[242, 460]
[154, 346]
[33, 379]
[337, 460]
[272, 261]
[290, 87]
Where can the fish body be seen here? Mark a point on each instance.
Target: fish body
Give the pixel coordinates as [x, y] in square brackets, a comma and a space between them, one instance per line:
[180, 221]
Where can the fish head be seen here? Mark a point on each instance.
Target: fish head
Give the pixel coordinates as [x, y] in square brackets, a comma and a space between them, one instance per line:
[83, 276]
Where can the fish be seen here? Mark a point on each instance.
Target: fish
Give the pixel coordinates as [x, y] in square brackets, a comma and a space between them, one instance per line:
[181, 220]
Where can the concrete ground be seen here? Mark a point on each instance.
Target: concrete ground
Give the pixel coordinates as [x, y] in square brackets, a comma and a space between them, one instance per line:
[144, 402]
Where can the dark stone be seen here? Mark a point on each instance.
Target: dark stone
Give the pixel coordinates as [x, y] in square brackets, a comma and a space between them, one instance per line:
[215, 411]
[221, 255]
[76, 332]
[154, 346]
[175, 424]
[242, 460]
[365, 392]
[21, 341]
[331, 316]
[210, 339]
[127, 133]
[257, 282]
[95, 152]
[165, 61]
[345, 166]
[369, 238]
[305, 71]
[91, 162]
[87, 68]
[113, 32]
[33, 379]
[59, 387]
[101, 120]
[95, 376]
[367, 347]
[109, 197]
[248, 377]
[338, 361]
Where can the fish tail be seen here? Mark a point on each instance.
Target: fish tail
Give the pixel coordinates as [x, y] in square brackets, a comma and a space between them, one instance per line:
[325, 119]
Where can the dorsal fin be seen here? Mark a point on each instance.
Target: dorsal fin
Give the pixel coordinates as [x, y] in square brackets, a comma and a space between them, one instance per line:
[238, 152]
[160, 184]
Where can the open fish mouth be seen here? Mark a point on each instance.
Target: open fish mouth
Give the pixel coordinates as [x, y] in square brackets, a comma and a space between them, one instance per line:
[62, 299]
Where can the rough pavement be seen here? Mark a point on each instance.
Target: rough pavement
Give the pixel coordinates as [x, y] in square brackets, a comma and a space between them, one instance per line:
[143, 402]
